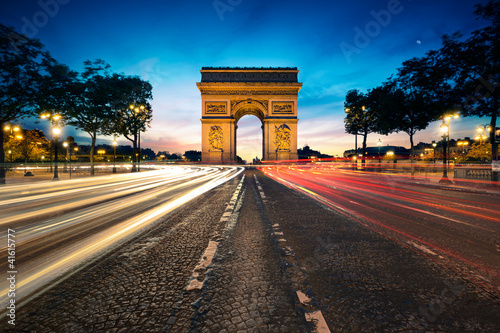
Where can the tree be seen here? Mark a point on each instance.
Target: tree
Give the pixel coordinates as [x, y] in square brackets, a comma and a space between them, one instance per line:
[132, 109]
[89, 106]
[21, 66]
[360, 119]
[479, 151]
[411, 100]
[32, 144]
[473, 66]
[193, 155]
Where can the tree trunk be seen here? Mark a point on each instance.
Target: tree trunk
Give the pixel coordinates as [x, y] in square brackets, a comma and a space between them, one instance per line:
[134, 158]
[92, 149]
[365, 136]
[411, 155]
[3, 170]
[494, 145]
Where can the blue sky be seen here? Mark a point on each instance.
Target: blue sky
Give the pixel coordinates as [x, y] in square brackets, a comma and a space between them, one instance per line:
[167, 43]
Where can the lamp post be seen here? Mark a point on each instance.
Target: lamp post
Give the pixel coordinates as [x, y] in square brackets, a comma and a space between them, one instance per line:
[13, 130]
[463, 144]
[447, 118]
[136, 110]
[434, 144]
[445, 132]
[66, 145]
[481, 130]
[56, 131]
[52, 118]
[114, 155]
[101, 152]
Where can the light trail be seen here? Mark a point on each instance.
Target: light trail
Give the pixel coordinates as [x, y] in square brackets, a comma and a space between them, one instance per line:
[462, 228]
[53, 246]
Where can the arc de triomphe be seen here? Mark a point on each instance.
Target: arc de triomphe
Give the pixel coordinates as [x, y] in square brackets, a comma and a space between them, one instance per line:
[228, 94]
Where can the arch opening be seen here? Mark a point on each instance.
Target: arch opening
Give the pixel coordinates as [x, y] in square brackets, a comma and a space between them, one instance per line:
[249, 138]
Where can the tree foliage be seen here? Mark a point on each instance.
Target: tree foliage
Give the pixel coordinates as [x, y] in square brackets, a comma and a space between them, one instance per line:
[473, 67]
[360, 118]
[410, 100]
[22, 63]
[89, 103]
[132, 109]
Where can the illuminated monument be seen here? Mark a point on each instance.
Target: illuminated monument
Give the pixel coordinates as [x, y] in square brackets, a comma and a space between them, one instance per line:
[228, 94]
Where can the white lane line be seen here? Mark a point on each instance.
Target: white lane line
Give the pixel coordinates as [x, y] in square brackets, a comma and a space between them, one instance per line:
[303, 298]
[211, 250]
[422, 248]
[318, 321]
[261, 191]
[205, 261]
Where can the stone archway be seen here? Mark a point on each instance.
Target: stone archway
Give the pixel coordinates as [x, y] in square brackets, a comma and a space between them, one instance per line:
[250, 108]
[228, 94]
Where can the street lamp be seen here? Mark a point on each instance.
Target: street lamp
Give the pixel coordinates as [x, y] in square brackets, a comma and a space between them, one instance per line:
[12, 129]
[101, 152]
[434, 144]
[482, 129]
[56, 131]
[137, 109]
[115, 143]
[445, 132]
[66, 145]
[463, 144]
[52, 118]
[447, 118]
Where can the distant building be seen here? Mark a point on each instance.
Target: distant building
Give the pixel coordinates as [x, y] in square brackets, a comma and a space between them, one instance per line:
[400, 152]
[308, 153]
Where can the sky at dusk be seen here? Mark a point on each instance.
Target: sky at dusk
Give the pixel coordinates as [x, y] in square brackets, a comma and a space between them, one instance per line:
[336, 45]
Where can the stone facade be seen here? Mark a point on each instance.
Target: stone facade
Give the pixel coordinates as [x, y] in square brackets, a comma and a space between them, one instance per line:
[228, 94]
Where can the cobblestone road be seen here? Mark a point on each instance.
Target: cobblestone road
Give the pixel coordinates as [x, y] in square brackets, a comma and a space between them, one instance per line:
[255, 256]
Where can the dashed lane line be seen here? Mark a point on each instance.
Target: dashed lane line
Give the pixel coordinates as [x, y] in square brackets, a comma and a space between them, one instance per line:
[211, 250]
[312, 314]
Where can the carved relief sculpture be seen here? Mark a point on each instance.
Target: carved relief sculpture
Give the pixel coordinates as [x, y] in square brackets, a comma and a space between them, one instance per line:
[236, 102]
[283, 134]
[282, 108]
[215, 108]
[215, 138]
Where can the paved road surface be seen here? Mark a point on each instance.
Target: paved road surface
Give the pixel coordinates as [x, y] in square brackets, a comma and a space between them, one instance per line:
[253, 255]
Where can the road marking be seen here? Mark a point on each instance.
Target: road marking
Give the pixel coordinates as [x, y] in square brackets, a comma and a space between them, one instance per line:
[316, 317]
[422, 248]
[303, 298]
[229, 217]
[313, 316]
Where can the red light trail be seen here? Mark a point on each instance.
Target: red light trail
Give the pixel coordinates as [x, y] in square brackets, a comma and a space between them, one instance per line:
[458, 229]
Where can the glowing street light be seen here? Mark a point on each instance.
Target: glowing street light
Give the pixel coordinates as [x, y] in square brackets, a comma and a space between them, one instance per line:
[434, 144]
[447, 118]
[482, 130]
[115, 143]
[56, 131]
[463, 144]
[53, 119]
[445, 132]
[137, 109]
